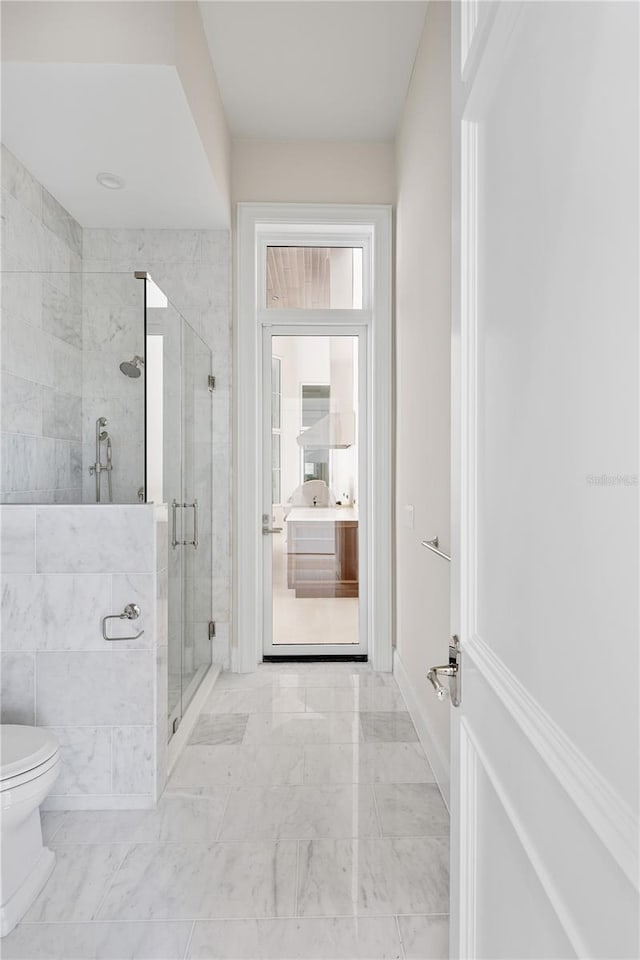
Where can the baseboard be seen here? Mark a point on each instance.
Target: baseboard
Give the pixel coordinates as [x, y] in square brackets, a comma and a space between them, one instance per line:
[97, 801]
[439, 763]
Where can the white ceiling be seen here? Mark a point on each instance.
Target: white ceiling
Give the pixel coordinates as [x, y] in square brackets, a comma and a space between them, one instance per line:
[301, 70]
[67, 122]
[313, 70]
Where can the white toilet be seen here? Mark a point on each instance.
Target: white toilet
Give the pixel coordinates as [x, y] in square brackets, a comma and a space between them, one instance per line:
[29, 765]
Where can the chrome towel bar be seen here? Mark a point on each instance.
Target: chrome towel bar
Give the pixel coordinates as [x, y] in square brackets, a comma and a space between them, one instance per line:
[433, 546]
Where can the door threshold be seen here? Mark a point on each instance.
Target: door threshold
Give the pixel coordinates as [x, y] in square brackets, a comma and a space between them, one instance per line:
[316, 658]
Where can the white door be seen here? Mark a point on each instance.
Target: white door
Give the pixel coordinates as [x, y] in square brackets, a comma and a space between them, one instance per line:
[315, 490]
[545, 549]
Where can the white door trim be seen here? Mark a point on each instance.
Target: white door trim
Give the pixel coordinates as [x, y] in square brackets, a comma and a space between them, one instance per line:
[373, 224]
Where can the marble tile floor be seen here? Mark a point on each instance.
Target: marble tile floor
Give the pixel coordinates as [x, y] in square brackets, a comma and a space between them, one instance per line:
[302, 822]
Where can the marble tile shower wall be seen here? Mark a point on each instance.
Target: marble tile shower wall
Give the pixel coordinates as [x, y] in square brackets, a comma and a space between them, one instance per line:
[113, 331]
[41, 294]
[63, 569]
[193, 268]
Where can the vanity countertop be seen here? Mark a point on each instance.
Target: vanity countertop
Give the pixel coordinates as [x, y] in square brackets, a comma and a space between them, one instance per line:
[322, 514]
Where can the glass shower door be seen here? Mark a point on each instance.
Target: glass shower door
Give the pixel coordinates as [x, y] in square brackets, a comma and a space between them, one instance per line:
[179, 466]
[196, 512]
[166, 323]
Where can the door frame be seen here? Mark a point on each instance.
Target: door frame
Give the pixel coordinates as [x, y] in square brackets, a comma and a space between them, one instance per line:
[320, 329]
[342, 224]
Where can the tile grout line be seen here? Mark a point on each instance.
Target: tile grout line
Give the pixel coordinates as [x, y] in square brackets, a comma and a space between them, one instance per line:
[402, 950]
[297, 881]
[303, 747]
[255, 840]
[189, 939]
[224, 813]
[377, 811]
[109, 886]
[215, 919]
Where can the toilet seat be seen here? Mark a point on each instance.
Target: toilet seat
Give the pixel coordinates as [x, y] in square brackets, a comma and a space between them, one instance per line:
[10, 783]
[25, 754]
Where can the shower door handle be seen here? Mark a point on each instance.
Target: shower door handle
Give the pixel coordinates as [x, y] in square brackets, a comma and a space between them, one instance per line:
[194, 542]
[174, 509]
[174, 536]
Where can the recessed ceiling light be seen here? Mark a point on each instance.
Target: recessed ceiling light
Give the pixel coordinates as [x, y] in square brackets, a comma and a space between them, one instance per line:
[110, 181]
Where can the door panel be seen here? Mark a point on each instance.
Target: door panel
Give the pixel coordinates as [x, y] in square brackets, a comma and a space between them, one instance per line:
[524, 896]
[313, 494]
[186, 425]
[197, 453]
[167, 324]
[545, 565]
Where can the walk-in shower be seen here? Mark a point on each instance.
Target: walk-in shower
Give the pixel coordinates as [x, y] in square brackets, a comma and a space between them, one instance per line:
[115, 408]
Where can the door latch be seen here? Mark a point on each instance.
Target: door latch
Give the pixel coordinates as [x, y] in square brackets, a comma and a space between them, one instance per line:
[266, 529]
[450, 670]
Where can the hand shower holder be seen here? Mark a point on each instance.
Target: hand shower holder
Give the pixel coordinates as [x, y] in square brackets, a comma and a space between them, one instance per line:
[130, 612]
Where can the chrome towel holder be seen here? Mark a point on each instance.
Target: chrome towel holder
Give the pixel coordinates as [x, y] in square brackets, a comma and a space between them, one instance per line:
[433, 546]
[130, 612]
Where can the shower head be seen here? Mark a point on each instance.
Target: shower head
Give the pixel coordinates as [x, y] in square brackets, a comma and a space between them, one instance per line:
[132, 368]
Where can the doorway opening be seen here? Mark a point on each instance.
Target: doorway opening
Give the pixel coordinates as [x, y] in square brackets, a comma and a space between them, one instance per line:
[314, 447]
[313, 441]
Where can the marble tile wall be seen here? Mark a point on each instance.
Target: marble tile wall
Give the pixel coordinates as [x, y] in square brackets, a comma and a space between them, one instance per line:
[113, 332]
[41, 356]
[63, 569]
[193, 268]
[71, 312]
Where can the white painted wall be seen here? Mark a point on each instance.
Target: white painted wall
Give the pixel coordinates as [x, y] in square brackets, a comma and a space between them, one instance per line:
[304, 360]
[312, 172]
[344, 401]
[122, 35]
[200, 84]
[331, 360]
[423, 376]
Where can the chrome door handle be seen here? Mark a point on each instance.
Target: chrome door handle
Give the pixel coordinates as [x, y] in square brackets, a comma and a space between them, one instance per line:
[174, 508]
[266, 529]
[435, 673]
[450, 670]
